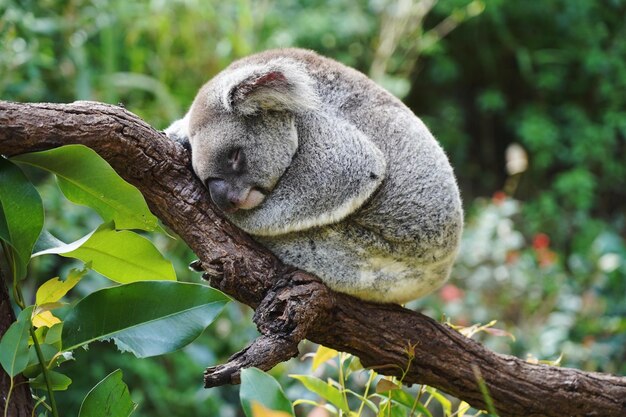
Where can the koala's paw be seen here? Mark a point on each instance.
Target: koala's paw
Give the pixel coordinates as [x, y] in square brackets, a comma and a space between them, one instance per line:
[178, 131]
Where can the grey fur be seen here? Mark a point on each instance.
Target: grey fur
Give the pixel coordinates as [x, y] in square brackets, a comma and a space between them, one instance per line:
[356, 189]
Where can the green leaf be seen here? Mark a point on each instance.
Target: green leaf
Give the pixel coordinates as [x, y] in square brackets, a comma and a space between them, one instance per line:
[441, 399]
[39, 334]
[48, 351]
[46, 242]
[324, 390]
[21, 214]
[390, 409]
[34, 368]
[54, 289]
[109, 398]
[370, 404]
[262, 388]
[400, 397]
[50, 335]
[58, 381]
[87, 179]
[147, 318]
[53, 335]
[332, 410]
[14, 344]
[122, 256]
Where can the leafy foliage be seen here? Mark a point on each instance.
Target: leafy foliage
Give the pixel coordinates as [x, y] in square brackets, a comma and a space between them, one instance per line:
[555, 306]
[132, 314]
[554, 91]
[350, 390]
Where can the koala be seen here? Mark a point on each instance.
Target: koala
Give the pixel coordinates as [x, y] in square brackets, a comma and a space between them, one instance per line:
[329, 171]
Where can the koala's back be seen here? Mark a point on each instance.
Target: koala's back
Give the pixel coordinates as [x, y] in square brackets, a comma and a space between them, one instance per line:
[341, 88]
[403, 240]
[419, 181]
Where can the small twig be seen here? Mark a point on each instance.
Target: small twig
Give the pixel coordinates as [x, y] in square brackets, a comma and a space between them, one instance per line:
[45, 372]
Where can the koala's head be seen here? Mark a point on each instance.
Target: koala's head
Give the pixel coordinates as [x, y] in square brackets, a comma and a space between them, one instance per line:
[242, 129]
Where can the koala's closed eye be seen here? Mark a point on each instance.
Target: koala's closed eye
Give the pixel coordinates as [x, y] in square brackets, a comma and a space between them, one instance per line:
[236, 159]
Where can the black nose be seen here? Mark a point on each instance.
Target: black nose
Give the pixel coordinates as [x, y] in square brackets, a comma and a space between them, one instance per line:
[220, 190]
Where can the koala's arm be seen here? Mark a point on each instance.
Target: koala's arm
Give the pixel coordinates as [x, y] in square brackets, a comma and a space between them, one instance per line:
[335, 170]
[179, 131]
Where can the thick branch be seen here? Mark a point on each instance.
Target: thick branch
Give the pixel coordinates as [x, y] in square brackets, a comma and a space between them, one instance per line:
[292, 305]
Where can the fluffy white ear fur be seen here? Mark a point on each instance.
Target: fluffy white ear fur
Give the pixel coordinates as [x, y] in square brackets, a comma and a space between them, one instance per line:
[280, 85]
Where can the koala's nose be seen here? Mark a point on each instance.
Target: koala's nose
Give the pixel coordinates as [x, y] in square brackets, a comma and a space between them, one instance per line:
[221, 194]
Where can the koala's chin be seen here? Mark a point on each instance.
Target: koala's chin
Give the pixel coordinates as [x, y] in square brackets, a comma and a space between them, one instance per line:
[329, 171]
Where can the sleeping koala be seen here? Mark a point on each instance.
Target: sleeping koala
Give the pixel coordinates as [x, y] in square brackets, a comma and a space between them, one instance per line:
[329, 171]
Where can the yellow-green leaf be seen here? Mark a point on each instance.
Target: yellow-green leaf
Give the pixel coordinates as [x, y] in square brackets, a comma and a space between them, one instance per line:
[120, 255]
[45, 319]
[54, 289]
[463, 407]
[322, 355]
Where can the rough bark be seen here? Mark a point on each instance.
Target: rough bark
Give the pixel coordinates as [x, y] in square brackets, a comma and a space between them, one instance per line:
[292, 305]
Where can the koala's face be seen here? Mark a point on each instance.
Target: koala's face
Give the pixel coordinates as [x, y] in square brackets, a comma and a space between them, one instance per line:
[241, 158]
[242, 132]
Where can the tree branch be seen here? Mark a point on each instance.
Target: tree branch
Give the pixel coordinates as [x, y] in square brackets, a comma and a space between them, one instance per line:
[292, 305]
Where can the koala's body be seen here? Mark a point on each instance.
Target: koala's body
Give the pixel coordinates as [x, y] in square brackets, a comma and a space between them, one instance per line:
[329, 171]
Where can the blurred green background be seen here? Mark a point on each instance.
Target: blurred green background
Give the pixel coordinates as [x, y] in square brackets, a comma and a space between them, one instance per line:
[527, 97]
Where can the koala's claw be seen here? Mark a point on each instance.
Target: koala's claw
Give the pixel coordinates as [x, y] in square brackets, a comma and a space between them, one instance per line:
[196, 266]
[207, 272]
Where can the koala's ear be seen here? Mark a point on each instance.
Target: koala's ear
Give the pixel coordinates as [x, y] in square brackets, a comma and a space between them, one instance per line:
[281, 86]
